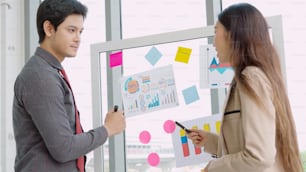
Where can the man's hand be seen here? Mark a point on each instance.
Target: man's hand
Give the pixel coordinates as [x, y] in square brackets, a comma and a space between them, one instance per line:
[114, 122]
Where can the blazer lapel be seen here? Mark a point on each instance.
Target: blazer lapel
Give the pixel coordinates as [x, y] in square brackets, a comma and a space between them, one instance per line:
[221, 144]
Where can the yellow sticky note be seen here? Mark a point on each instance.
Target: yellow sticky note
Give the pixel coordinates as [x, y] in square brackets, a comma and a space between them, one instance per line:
[218, 126]
[206, 127]
[183, 54]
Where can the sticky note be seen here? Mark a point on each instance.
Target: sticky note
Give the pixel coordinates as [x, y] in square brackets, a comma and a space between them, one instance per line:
[153, 159]
[218, 126]
[153, 56]
[145, 137]
[206, 127]
[169, 126]
[190, 94]
[115, 59]
[183, 54]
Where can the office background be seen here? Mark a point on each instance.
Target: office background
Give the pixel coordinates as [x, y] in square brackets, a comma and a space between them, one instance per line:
[139, 18]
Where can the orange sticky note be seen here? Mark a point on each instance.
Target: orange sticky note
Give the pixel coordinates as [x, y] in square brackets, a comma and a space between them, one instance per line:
[183, 54]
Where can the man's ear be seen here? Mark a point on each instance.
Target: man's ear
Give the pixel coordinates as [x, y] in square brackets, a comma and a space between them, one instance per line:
[48, 28]
[228, 35]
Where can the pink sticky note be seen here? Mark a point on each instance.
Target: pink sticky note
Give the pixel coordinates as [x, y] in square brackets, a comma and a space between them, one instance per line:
[169, 126]
[144, 137]
[153, 159]
[115, 59]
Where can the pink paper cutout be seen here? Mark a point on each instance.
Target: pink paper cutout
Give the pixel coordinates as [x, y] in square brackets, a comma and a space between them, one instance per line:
[169, 126]
[115, 59]
[144, 137]
[153, 159]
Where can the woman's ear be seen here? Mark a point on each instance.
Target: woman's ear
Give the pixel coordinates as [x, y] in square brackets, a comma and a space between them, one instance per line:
[48, 28]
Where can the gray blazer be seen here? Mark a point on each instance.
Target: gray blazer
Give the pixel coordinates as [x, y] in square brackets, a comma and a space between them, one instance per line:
[247, 137]
[44, 119]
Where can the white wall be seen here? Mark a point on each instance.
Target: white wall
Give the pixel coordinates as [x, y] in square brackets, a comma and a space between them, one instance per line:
[12, 55]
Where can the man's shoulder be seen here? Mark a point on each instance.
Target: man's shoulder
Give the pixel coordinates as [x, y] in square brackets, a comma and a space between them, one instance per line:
[37, 70]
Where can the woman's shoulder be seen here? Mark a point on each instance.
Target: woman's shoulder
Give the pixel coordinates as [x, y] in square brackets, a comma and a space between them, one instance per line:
[256, 77]
[253, 71]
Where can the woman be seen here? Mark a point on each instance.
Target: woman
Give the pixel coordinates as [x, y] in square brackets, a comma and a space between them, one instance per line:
[258, 132]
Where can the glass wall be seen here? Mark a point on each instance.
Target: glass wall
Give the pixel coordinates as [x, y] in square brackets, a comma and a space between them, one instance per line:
[145, 133]
[141, 18]
[139, 146]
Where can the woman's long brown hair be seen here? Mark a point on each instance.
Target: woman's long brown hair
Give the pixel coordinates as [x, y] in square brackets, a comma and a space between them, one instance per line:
[251, 46]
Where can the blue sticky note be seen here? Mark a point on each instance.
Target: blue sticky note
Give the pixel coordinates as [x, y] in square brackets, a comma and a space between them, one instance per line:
[153, 56]
[190, 95]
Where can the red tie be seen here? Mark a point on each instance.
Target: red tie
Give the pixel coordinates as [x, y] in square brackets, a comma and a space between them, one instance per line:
[78, 128]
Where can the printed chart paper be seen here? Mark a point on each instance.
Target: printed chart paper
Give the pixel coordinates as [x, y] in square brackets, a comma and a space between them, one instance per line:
[213, 74]
[185, 152]
[149, 91]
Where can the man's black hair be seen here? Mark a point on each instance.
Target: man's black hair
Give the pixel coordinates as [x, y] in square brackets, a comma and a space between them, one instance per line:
[56, 12]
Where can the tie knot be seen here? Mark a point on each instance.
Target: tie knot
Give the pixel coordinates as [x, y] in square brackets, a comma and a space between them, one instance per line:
[64, 74]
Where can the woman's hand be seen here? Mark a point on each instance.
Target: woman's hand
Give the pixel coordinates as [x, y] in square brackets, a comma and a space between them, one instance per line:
[198, 137]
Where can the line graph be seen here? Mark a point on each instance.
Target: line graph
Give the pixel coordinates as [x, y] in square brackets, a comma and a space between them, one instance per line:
[213, 74]
[220, 67]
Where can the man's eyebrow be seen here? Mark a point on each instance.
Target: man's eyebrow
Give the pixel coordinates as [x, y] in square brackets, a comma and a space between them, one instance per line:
[71, 26]
[75, 27]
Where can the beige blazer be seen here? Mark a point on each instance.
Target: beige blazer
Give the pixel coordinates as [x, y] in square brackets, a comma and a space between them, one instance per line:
[247, 139]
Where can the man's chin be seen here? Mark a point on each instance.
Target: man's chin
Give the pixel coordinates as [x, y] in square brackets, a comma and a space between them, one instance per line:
[71, 55]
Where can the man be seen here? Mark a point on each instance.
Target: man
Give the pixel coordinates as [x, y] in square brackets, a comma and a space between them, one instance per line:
[46, 123]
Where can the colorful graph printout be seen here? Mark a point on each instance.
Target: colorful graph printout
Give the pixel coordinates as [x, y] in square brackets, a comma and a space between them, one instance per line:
[212, 73]
[149, 91]
[185, 152]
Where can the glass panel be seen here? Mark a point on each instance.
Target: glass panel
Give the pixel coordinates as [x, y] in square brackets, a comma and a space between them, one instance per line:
[141, 17]
[159, 141]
